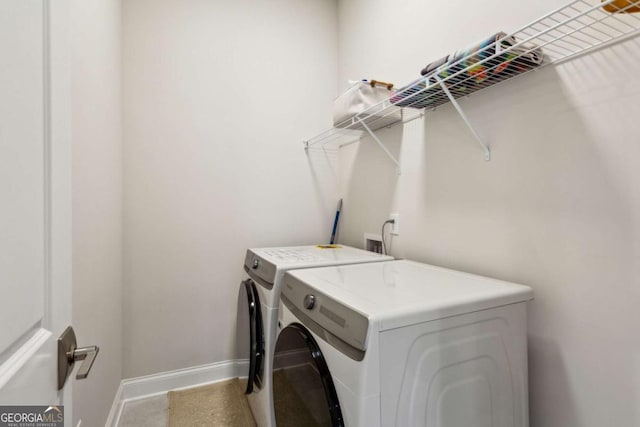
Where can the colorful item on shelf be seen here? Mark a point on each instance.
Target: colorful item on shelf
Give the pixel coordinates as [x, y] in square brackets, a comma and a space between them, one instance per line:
[528, 55]
[481, 50]
[470, 69]
[622, 6]
[475, 62]
[433, 65]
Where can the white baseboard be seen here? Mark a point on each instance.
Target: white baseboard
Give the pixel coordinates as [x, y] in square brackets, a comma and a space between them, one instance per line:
[153, 385]
[116, 409]
[150, 385]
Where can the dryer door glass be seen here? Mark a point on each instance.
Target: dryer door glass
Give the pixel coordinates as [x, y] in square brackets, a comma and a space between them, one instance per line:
[249, 337]
[303, 390]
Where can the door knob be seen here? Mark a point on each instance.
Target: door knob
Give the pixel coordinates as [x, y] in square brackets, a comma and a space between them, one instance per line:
[69, 354]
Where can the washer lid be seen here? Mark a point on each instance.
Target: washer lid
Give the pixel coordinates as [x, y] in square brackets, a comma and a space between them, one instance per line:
[402, 293]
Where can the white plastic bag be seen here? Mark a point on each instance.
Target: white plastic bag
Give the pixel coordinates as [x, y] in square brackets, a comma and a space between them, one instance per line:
[358, 98]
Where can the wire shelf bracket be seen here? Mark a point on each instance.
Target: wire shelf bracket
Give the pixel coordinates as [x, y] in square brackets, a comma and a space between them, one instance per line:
[465, 119]
[381, 145]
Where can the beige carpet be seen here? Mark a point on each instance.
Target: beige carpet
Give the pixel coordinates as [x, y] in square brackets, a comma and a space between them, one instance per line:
[219, 404]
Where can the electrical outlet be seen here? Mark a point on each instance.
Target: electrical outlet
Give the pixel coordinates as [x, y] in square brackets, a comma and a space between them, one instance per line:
[395, 227]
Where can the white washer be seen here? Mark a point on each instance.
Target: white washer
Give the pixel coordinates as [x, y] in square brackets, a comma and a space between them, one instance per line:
[258, 300]
[400, 344]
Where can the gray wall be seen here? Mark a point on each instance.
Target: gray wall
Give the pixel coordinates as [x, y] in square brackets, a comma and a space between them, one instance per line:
[217, 99]
[97, 201]
[557, 208]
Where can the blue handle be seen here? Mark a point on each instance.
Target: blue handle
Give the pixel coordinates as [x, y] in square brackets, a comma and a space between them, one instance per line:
[335, 228]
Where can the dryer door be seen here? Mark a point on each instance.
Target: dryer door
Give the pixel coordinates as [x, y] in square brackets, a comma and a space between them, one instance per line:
[303, 390]
[250, 337]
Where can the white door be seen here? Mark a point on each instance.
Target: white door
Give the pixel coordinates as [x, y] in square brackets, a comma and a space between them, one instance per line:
[35, 200]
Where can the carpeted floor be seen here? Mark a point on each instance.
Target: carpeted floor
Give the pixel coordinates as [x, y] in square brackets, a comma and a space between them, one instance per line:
[145, 412]
[219, 404]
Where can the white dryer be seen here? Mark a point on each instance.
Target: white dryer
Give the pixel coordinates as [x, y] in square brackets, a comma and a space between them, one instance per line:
[258, 301]
[402, 344]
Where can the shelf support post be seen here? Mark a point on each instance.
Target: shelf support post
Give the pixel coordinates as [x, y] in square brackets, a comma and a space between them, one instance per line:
[381, 145]
[485, 148]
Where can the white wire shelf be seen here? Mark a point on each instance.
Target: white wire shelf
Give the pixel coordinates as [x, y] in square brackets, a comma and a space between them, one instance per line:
[382, 115]
[574, 29]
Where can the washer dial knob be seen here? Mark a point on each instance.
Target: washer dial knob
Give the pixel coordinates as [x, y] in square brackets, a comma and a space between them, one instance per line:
[309, 301]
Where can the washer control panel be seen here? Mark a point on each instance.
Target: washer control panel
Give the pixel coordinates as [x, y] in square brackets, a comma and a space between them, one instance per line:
[259, 269]
[329, 314]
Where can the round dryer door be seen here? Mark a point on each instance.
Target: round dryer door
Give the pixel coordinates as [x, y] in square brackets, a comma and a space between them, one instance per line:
[303, 390]
[250, 337]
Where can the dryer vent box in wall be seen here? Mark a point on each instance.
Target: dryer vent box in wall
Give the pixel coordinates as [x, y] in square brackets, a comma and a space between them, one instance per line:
[373, 243]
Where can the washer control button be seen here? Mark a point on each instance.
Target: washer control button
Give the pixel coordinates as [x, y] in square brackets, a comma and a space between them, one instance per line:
[256, 263]
[309, 301]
